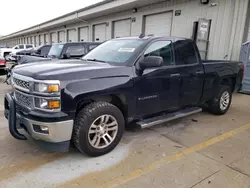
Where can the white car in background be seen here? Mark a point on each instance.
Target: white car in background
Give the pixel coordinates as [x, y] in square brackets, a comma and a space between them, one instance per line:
[7, 52]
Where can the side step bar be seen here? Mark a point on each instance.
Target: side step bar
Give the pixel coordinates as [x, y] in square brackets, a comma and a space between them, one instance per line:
[168, 117]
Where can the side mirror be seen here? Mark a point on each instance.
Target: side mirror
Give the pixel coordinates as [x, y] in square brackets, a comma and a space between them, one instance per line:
[150, 62]
[66, 56]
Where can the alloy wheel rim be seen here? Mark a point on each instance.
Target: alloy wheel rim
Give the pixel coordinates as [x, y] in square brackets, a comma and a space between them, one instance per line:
[224, 100]
[103, 131]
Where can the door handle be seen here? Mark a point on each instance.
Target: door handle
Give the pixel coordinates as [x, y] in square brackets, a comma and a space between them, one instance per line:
[199, 72]
[175, 75]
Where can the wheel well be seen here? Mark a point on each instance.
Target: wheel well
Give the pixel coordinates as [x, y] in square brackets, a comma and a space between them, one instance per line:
[229, 82]
[117, 100]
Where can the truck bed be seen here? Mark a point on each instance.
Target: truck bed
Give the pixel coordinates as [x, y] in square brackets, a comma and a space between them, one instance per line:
[224, 69]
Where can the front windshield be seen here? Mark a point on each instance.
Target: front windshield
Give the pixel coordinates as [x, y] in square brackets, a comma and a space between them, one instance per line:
[55, 50]
[115, 51]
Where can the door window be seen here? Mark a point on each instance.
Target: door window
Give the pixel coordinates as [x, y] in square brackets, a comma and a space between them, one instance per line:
[45, 50]
[78, 50]
[29, 46]
[21, 47]
[185, 53]
[161, 49]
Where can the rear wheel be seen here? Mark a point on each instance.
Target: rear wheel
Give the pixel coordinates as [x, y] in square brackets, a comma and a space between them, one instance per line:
[222, 101]
[98, 128]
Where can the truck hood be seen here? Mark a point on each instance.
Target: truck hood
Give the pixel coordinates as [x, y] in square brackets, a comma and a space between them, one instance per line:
[66, 70]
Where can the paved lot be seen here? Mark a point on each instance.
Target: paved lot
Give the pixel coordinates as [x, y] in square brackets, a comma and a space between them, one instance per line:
[200, 151]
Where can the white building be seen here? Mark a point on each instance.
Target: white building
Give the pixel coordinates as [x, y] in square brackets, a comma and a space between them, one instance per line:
[229, 21]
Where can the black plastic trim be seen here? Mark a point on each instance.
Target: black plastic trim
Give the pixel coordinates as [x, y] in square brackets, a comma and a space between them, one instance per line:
[12, 118]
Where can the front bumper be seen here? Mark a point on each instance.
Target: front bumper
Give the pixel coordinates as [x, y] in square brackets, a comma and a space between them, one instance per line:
[58, 132]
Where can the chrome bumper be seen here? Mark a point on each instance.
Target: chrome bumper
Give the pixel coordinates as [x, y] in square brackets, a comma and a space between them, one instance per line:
[57, 131]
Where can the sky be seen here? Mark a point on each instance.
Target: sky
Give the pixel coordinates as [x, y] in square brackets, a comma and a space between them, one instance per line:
[21, 14]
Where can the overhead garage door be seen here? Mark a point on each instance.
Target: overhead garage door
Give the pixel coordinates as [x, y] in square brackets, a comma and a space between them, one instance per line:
[41, 39]
[248, 34]
[53, 38]
[37, 40]
[72, 35]
[100, 32]
[61, 36]
[34, 40]
[46, 39]
[122, 28]
[158, 24]
[84, 34]
[31, 40]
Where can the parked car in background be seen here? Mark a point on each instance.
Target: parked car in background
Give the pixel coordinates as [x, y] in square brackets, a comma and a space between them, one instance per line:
[145, 80]
[57, 51]
[74, 50]
[3, 46]
[5, 52]
[2, 66]
[71, 50]
[40, 51]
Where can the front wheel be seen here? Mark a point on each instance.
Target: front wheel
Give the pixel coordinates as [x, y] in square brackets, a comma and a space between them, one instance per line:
[222, 101]
[98, 128]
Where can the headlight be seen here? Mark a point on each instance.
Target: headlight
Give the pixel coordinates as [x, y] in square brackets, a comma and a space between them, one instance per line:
[47, 104]
[46, 88]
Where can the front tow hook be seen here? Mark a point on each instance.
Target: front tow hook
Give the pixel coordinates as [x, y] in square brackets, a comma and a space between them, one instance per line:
[12, 119]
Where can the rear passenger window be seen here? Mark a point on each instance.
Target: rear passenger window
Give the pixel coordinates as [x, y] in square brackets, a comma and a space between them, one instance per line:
[78, 50]
[161, 49]
[185, 53]
[21, 47]
[29, 46]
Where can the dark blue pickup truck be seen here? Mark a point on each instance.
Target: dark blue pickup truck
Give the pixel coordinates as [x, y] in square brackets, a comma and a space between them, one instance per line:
[146, 80]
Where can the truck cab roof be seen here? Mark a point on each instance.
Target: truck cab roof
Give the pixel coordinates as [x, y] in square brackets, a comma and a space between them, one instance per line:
[74, 43]
[152, 37]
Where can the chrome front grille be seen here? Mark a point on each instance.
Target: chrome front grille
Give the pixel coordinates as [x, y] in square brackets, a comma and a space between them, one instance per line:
[23, 99]
[21, 83]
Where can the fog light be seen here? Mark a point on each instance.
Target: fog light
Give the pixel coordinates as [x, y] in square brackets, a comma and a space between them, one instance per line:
[44, 128]
[41, 129]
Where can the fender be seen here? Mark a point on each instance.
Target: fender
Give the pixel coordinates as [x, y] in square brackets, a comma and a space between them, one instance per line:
[81, 90]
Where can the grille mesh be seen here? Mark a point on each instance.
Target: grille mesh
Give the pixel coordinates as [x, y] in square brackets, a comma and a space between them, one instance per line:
[23, 99]
[21, 83]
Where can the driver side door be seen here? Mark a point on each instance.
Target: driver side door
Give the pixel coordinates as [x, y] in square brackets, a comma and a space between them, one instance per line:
[157, 89]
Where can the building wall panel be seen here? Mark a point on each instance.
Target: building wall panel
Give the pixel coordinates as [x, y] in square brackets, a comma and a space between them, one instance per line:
[224, 41]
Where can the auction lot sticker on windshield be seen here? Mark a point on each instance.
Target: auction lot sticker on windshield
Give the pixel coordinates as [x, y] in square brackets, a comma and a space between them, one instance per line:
[126, 50]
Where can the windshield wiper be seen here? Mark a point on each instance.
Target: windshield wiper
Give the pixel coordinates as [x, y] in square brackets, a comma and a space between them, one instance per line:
[95, 60]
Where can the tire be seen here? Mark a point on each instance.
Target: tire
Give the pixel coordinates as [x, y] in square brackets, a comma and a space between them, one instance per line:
[91, 126]
[224, 94]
